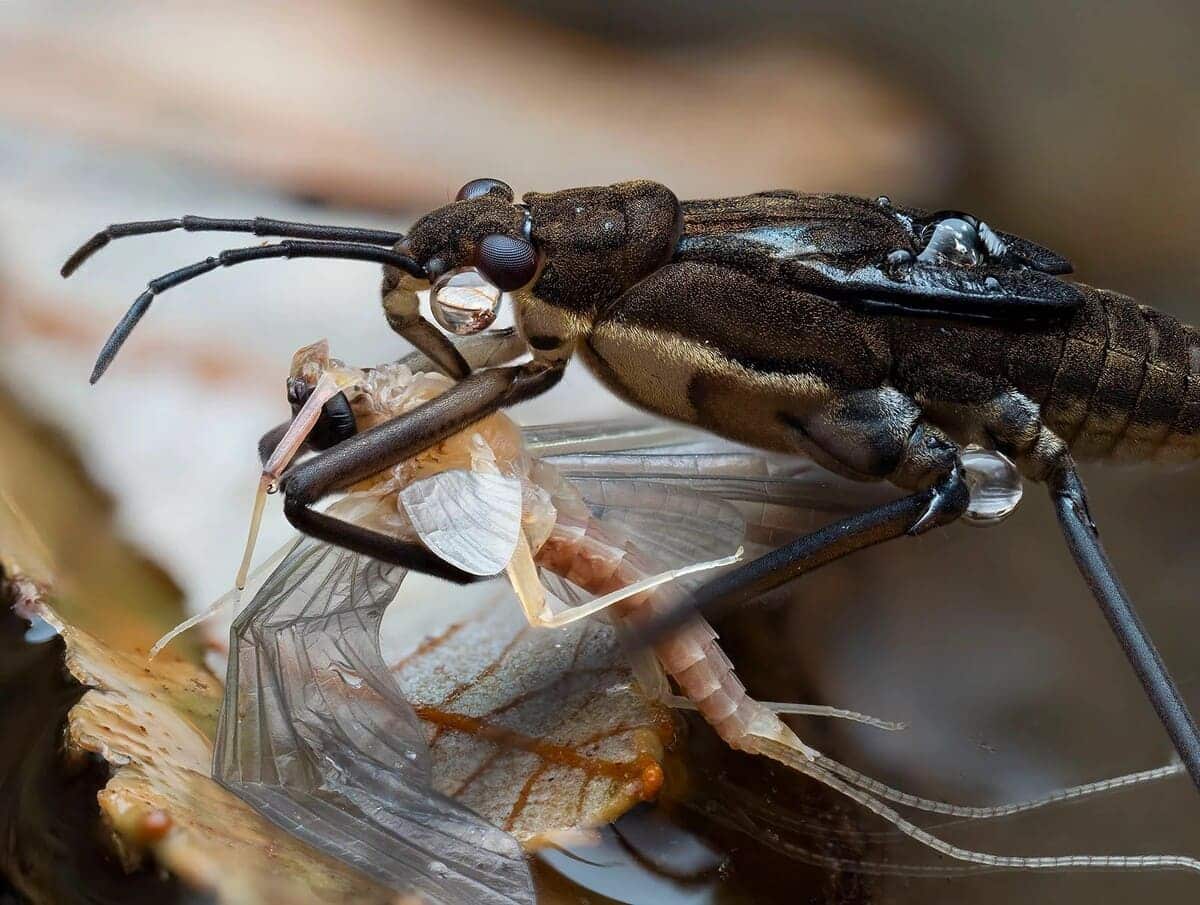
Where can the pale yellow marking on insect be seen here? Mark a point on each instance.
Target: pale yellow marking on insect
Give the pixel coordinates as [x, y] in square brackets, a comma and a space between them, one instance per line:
[657, 369]
[535, 317]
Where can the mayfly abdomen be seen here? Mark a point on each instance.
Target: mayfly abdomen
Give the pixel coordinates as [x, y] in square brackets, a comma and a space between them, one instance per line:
[594, 555]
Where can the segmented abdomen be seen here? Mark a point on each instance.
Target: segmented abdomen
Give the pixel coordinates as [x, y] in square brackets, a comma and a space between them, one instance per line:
[587, 553]
[1127, 381]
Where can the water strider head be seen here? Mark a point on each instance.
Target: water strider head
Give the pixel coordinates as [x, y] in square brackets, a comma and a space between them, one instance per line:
[574, 249]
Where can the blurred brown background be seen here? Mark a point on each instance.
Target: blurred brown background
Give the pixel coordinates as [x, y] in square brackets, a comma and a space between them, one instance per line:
[1076, 124]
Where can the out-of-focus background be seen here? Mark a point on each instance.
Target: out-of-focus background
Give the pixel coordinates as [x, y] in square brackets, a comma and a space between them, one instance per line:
[1076, 124]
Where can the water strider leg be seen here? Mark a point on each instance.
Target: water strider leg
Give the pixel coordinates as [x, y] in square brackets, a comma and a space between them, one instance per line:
[402, 309]
[914, 454]
[1070, 505]
[370, 452]
[483, 350]
[913, 514]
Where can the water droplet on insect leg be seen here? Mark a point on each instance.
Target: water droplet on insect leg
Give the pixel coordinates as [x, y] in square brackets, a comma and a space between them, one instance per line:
[995, 486]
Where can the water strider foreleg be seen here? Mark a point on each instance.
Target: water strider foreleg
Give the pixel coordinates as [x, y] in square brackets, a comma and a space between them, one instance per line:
[390, 443]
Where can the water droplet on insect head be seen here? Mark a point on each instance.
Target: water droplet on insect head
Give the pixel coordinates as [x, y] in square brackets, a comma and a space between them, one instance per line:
[995, 486]
[883, 201]
[438, 869]
[464, 302]
[992, 284]
[899, 256]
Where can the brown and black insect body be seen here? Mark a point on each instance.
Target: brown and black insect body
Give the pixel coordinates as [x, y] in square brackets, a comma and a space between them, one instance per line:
[876, 339]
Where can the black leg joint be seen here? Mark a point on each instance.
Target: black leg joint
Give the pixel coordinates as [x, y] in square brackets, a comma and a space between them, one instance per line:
[948, 500]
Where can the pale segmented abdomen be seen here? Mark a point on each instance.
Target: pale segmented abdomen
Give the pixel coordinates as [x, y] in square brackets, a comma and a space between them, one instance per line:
[587, 553]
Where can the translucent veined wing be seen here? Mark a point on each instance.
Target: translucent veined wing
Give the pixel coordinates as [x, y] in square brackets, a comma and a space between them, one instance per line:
[317, 737]
[470, 519]
[685, 496]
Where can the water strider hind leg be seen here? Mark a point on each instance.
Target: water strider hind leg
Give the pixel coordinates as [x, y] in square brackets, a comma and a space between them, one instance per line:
[1016, 425]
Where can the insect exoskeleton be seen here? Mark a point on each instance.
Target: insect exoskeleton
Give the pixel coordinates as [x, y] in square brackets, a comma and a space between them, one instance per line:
[879, 340]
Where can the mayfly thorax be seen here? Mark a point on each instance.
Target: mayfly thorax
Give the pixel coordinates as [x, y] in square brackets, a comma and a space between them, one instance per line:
[878, 340]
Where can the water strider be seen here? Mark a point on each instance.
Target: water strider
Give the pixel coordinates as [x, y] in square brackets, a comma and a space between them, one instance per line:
[877, 339]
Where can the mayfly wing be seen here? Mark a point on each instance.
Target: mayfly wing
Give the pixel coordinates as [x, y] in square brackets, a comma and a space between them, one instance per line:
[316, 736]
[470, 519]
[776, 497]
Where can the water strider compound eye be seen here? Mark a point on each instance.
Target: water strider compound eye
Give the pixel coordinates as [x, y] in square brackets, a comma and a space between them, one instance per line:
[509, 263]
[477, 187]
[953, 241]
[464, 301]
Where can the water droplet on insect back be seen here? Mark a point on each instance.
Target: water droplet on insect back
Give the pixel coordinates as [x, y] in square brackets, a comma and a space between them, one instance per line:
[995, 485]
[464, 302]
[953, 241]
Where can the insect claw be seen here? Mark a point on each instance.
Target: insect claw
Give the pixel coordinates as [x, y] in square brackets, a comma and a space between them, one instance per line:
[948, 500]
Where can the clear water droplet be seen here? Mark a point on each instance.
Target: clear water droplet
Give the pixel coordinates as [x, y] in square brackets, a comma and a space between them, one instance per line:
[438, 869]
[883, 201]
[410, 755]
[995, 485]
[899, 256]
[464, 302]
[953, 241]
